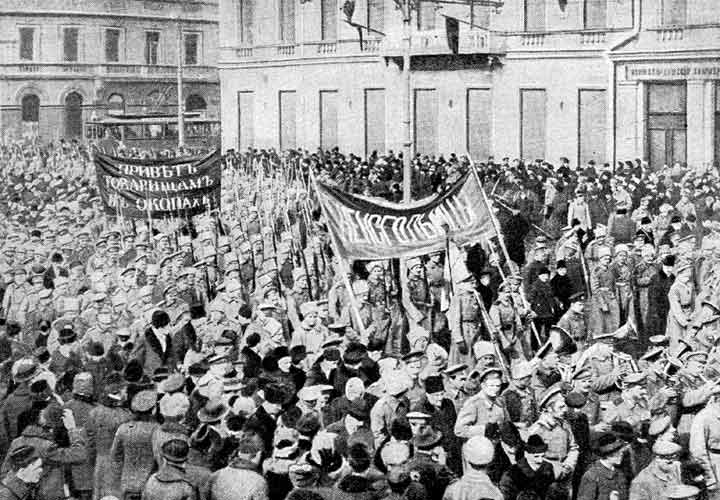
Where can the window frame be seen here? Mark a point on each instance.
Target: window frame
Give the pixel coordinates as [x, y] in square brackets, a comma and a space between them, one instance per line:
[198, 48]
[120, 44]
[35, 46]
[78, 43]
[157, 51]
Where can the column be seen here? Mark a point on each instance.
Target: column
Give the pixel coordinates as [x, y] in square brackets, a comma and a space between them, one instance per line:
[640, 119]
[709, 123]
[696, 124]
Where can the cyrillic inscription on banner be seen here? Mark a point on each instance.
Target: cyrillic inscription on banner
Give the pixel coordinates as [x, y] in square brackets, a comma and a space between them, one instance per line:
[366, 229]
[179, 187]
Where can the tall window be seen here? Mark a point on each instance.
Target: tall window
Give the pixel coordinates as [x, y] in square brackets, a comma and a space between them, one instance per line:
[374, 121]
[595, 14]
[376, 15]
[666, 123]
[112, 45]
[27, 44]
[70, 44]
[152, 47]
[287, 119]
[478, 122]
[116, 104]
[593, 115]
[534, 15]
[192, 43]
[674, 12]
[31, 108]
[246, 120]
[533, 118]
[287, 21]
[328, 15]
[426, 15]
[245, 22]
[328, 119]
[426, 121]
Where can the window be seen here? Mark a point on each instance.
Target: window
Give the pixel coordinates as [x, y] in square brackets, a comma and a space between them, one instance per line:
[374, 121]
[70, 44]
[195, 102]
[478, 122]
[152, 47]
[27, 44]
[192, 42]
[666, 123]
[112, 45]
[426, 121]
[328, 119]
[287, 21]
[31, 108]
[426, 15]
[593, 116]
[245, 22]
[534, 15]
[376, 15]
[246, 120]
[595, 14]
[116, 104]
[674, 12]
[533, 114]
[287, 120]
[328, 15]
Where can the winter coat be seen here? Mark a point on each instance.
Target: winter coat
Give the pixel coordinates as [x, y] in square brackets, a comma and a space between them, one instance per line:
[54, 458]
[520, 477]
[132, 457]
[82, 474]
[169, 483]
[241, 480]
[102, 424]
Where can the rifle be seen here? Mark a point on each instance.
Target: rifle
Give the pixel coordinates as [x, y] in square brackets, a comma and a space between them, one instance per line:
[502, 204]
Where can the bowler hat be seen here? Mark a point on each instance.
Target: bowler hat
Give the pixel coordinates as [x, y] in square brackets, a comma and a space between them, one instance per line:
[175, 450]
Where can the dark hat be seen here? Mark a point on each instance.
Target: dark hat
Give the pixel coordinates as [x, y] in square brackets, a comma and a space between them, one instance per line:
[428, 439]
[12, 328]
[95, 349]
[607, 444]
[66, 335]
[308, 424]
[280, 352]
[253, 339]
[160, 319]
[275, 393]
[675, 219]
[535, 444]
[434, 384]
[331, 354]
[509, 434]
[645, 220]
[359, 457]
[41, 354]
[577, 297]
[175, 450]
[561, 264]
[359, 410]
[40, 391]
[623, 430]
[213, 411]
[575, 400]
[133, 371]
[354, 353]
[543, 270]
[22, 456]
[669, 260]
[298, 353]
[198, 369]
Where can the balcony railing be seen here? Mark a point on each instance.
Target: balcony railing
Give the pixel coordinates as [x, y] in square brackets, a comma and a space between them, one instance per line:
[319, 49]
[435, 42]
[82, 70]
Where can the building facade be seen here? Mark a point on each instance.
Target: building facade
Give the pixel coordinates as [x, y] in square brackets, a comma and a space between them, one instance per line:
[607, 80]
[64, 62]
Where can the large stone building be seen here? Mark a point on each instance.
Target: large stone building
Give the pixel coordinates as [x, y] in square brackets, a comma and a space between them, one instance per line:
[586, 79]
[63, 62]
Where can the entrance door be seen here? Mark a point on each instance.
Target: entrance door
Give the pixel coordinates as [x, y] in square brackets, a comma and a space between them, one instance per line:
[73, 115]
[667, 123]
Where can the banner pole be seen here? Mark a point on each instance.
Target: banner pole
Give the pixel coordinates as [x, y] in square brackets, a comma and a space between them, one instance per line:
[344, 267]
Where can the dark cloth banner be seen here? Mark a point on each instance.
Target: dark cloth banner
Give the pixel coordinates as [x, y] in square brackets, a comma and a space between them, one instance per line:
[369, 229]
[176, 187]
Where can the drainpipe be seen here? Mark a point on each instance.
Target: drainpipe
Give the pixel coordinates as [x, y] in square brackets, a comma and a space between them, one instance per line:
[612, 80]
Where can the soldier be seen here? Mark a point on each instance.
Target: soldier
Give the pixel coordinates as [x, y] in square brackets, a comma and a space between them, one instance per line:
[429, 464]
[623, 270]
[681, 299]
[552, 427]
[519, 398]
[508, 326]
[15, 295]
[663, 471]
[465, 320]
[484, 408]
[171, 481]
[455, 381]
[604, 309]
[475, 484]
[389, 407]
[633, 408]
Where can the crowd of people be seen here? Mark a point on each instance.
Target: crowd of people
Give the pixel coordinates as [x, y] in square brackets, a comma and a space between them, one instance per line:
[223, 357]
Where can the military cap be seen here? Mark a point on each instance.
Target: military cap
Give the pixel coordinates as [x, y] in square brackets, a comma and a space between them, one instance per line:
[417, 415]
[535, 445]
[23, 370]
[175, 450]
[428, 439]
[434, 384]
[175, 382]
[144, 401]
[659, 424]
[549, 395]
[608, 443]
[699, 356]
[478, 450]
[412, 355]
[632, 379]
[452, 370]
[174, 405]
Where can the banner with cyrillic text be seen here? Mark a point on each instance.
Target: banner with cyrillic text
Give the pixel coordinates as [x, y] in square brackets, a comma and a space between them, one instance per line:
[176, 187]
[369, 229]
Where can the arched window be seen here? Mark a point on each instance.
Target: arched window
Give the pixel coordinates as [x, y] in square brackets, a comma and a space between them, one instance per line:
[116, 104]
[195, 103]
[73, 115]
[31, 108]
